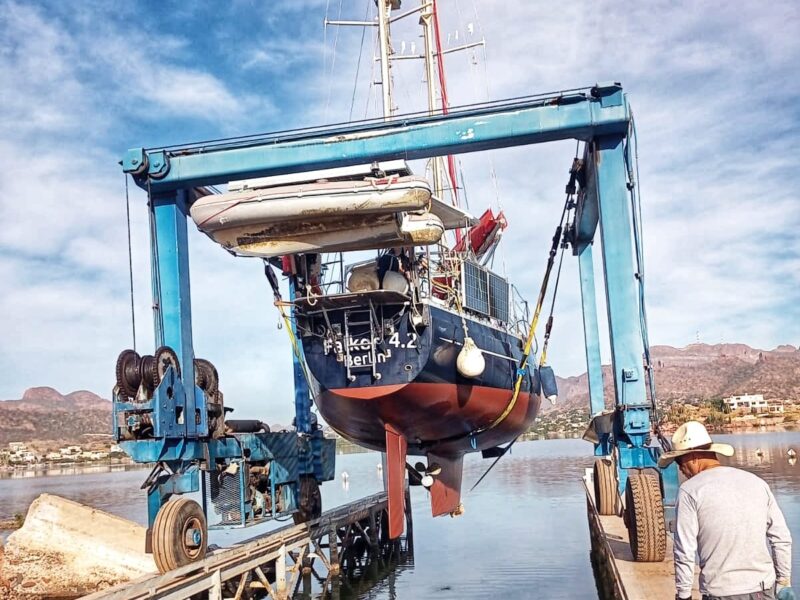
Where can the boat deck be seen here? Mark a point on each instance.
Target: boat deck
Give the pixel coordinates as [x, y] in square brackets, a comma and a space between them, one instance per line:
[315, 304]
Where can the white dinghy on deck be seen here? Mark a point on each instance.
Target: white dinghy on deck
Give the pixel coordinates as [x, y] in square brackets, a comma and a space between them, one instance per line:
[351, 208]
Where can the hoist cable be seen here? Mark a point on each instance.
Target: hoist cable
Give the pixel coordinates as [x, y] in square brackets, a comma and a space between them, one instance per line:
[558, 238]
[521, 371]
[280, 304]
[130, 260]
[523, 364]
[636, 215]
[549, 326]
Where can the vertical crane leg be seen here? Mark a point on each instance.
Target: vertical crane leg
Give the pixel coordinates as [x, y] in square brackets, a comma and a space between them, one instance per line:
[606, 496]
[591, 335]
[172, 309]
[302, 397]
[639, 481]
[632, 421]
[309, 498]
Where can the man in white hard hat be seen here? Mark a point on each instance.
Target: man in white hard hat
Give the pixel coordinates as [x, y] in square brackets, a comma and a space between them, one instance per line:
[731, 521]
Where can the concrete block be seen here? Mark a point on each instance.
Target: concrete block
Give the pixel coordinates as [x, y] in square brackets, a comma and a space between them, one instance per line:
[68, 549]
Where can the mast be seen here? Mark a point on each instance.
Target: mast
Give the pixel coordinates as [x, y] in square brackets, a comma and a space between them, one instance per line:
[433, 48]
[384, 12]
[426, 20]
[432, 57]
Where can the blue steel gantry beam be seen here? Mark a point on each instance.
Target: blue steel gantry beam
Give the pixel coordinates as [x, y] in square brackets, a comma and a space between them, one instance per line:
[584, 116]
[599, 116]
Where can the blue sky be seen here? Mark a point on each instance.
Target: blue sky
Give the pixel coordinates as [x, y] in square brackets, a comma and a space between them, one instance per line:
[713, 86]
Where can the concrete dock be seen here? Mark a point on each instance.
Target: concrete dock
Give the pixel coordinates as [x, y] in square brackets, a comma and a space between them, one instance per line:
[617, 575]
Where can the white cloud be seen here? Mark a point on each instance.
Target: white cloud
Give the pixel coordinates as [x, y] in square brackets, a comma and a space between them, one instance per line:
[716, 116]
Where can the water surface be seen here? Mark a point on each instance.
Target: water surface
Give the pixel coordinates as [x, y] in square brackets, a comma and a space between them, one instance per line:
[524, 533]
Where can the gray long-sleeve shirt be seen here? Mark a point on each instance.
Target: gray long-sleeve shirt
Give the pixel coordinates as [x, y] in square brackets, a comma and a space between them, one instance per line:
[730, 519]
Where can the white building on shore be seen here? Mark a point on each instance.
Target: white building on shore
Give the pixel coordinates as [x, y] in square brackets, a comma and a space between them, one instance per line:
[753, 403]
[18, 452]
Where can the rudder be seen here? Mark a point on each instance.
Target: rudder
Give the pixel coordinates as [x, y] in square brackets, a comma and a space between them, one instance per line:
[396, 447]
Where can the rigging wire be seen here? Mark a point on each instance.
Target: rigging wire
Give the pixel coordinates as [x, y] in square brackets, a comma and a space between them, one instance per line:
[325, 39]
[358, 64]
[333, 58]
[130, 260]
[473, 68]
[451, 165]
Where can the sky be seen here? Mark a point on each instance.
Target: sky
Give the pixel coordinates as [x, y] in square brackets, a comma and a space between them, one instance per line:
[713, 86]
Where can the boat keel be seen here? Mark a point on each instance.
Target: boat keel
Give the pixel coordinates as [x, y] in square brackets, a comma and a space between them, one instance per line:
[396, 447]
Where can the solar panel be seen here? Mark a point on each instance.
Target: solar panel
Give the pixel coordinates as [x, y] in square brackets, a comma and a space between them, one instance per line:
[498, 297]
[485, 292]
[476, 294]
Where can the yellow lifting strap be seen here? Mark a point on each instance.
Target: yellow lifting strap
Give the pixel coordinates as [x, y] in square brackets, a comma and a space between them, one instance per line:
[280, 304]
[293, 339]
[522, 369]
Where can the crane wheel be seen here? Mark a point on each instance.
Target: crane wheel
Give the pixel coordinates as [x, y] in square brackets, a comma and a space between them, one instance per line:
[180, 535]
[309, 505]
[605, 486]
[645, 516]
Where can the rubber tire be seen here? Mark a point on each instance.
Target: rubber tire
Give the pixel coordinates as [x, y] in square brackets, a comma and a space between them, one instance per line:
[309, 500]
[645, 512]
[169, 550]
[605, 486]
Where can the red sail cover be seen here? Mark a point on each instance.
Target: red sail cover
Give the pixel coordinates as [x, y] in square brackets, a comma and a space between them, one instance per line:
[482, 238]
[485, 234]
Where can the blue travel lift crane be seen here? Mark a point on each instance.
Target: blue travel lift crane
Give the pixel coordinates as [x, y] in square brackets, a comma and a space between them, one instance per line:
[168, 409]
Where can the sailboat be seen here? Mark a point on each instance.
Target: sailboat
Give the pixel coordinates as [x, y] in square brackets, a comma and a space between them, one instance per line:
[415, 351]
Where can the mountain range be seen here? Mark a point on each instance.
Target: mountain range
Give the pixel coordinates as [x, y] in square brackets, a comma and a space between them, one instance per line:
[46, 415]
[702, 372]
[696, 372]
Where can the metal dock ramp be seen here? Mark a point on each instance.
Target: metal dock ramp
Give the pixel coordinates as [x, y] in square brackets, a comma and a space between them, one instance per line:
[273, 565]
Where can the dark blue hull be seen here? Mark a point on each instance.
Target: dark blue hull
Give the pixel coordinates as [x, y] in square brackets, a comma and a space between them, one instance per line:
[386, 366]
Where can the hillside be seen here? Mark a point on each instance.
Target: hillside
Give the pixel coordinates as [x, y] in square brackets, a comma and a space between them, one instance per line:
[44, 414]
[697, 372]
[702, 372]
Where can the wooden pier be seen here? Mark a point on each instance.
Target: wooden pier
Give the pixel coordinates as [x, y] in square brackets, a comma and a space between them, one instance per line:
[617, 575]
[276, 564]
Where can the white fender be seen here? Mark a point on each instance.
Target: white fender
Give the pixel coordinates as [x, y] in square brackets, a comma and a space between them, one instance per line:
[470, 361]
[396, 282]
[363, 279]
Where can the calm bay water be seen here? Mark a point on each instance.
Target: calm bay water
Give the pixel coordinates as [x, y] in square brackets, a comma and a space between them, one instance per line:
[524, 533]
